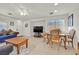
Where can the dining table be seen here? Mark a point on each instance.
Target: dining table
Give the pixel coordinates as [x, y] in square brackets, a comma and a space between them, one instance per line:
[65, 35]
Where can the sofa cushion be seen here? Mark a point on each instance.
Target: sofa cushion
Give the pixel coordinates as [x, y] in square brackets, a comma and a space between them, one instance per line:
[11, 36]
[11, 32]
[4, 37]
[1, 34]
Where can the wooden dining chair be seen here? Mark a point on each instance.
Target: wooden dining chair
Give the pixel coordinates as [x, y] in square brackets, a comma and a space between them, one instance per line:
[44, 35]
[71, 36]
[55, 37]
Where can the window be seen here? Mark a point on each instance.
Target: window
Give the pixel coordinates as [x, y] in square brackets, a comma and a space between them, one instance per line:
[56, 22]
[70, 21]
[3, 26]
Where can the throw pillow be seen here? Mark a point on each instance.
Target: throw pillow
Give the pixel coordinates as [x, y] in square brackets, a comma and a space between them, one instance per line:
[11, 32]
[8, 32]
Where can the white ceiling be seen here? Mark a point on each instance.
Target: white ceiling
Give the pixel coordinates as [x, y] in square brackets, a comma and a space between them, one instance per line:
[36, 10]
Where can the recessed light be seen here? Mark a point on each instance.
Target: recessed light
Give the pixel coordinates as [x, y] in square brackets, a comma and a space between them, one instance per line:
[23, 12]
[55, 11]
[55, 4]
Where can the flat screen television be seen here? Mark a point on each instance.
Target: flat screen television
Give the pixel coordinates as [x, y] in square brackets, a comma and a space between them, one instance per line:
[38, 29]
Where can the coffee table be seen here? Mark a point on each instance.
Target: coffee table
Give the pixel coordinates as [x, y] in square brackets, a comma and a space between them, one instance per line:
[18, 42]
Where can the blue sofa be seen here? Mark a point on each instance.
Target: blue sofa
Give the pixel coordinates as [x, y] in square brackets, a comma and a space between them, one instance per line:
[4, 37]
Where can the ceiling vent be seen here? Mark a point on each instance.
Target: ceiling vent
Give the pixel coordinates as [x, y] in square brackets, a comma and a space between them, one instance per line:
[50, 13]
[9, 13]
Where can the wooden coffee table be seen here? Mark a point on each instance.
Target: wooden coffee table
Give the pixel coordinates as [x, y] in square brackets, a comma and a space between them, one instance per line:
[17, 42]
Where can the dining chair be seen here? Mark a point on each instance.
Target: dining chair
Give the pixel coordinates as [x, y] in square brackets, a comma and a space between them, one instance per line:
[71, 36]
[44, 35]
[55, 37]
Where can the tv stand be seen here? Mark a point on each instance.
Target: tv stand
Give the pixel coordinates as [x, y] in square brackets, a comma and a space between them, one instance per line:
[37, 34]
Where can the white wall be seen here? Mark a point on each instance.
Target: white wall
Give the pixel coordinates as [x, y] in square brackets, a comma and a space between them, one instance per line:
[26, 30]
[19, 26]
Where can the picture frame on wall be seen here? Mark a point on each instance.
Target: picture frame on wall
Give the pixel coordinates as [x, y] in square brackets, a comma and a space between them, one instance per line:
[70, 20]
[11, 23]
[26, 25]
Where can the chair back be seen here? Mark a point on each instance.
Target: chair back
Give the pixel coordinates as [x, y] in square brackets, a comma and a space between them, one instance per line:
[55, 31]
[55, 34]
[72, 33]
[44, 35]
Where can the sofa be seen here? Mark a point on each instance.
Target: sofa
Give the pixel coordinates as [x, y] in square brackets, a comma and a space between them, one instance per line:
[6, 49]
[4, 37]
[7, 34]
